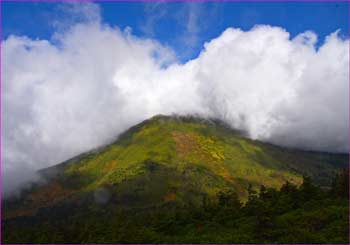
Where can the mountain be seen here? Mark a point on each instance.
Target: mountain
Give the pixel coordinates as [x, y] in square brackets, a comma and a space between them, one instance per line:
[164, 164]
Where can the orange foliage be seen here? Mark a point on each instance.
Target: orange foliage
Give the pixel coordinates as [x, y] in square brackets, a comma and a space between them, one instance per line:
[110, 165]
[185, 143]
[171, 196]
[46, 196]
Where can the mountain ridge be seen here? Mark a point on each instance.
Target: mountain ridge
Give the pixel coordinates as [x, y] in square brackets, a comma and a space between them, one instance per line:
[164, 164]
[183, 134]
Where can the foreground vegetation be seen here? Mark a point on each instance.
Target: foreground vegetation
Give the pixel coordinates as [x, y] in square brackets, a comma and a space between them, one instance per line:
[304, 214]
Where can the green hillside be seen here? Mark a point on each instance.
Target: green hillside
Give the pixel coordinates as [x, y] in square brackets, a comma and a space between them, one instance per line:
[164, 164]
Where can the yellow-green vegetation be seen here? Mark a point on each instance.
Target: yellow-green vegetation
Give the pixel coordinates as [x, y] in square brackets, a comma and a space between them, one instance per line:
[175, 166]
[178, 144]
[190, 155]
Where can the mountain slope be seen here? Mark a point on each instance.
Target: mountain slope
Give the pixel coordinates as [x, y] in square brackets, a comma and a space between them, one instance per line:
[165, 162]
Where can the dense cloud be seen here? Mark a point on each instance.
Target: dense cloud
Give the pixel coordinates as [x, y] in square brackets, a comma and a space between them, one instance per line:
[95, 81]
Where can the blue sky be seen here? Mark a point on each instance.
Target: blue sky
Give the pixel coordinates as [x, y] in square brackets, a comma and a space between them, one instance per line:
[185, 27]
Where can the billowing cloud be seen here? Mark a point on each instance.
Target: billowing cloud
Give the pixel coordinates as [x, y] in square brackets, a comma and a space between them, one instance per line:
[60, 99]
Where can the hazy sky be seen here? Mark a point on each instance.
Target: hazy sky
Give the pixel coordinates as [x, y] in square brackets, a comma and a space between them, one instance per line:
[74, 76]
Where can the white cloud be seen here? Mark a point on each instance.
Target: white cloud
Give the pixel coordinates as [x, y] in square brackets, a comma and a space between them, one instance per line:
[278, 89]
[63, 99]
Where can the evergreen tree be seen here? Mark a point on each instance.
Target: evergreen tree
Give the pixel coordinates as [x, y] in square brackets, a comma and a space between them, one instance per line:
[340, 184]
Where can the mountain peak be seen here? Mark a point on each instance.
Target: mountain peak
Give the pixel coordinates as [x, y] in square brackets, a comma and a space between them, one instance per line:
[167, 161]
[187, 154]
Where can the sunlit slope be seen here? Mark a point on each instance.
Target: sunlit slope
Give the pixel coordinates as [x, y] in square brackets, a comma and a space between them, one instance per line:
[179, 160]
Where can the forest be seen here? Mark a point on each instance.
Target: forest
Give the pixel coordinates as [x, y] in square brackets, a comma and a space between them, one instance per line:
[292, 214]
